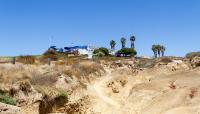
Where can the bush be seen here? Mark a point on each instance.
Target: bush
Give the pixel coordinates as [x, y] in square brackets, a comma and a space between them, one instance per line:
[50, 92]
[127, 51]
[62, 93]
[26, 59]
[47, 79]
[53, 98]
[192, 54]
[165, 60]
[83, 69]
[146, 63]
[101, 52]
[53, 55]
[7, 99]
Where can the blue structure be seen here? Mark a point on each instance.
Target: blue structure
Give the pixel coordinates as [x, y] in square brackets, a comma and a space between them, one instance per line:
[53, 48]
[61, 50]
[80, 50]
[75, 48]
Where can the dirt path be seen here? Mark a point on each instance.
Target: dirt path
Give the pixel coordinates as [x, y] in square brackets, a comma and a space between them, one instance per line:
[97, 88]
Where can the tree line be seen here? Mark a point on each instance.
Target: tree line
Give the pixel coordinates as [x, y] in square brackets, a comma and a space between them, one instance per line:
[124, 50]
[123, 42]
[158, 50]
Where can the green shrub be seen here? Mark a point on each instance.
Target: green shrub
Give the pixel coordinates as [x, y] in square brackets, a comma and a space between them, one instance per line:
[62, 93]
[7, 99]
[83, 69]
[127, 51]
[51, 92]
[101, 52]
[192, 54]
[26, 59]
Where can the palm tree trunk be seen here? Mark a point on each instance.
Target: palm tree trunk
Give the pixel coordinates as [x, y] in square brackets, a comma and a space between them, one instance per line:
[163, 53]
[132, 45]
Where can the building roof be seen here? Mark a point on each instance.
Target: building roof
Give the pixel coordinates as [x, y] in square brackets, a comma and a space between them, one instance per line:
[76, 47]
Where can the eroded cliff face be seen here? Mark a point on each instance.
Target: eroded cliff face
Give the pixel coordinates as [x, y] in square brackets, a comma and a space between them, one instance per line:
[119, 87]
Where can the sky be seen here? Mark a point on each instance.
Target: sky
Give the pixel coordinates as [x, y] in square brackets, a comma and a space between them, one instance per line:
[27, 25]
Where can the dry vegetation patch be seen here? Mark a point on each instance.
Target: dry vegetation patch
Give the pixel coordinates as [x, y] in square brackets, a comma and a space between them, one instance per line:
[146, 63]
[44, 79]
[26, 59]
[165, 60]
[11, 73]
[84, 69]
[192, 54]
[53, 98]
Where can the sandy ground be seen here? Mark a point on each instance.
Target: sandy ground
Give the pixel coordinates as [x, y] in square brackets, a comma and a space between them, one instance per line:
[172, 89]
[166, 93]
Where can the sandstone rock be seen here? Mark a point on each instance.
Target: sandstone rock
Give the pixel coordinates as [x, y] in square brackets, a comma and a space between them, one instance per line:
[115, 90]
[76, 107]
[195, 62]
[31, 109]
[9, 109]
[24, 93]
[160, 64]
[123, 82]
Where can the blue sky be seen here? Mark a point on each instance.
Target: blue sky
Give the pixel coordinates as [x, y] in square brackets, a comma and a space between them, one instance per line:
[27, 25]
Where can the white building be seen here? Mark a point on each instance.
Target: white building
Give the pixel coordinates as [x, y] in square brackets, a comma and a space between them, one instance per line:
[82, 50]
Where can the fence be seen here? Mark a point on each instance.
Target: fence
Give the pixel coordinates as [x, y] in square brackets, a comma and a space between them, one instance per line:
[67, 61]
[6, 60]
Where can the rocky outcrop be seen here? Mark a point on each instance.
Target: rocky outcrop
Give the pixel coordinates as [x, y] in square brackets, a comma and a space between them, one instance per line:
[24, 93]
[9, 109]
[195, 62]
[80, 106]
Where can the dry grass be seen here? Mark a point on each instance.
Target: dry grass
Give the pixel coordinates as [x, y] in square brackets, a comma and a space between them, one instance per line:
[11, 73]
[37, 75]
[50, 92]
[50, 54]
[192, 54]
[47, 78]
[111, 58]
[53, 98]
[84, 69]
[27, 59]
[45, 75]
[72, 61]
[61, 62]
[146, 63]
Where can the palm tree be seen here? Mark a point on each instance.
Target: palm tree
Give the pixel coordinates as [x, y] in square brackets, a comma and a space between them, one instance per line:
[123, 42]
[154, 50]
[132, 39]
[112, 44]
[163, 50]
[158, 48]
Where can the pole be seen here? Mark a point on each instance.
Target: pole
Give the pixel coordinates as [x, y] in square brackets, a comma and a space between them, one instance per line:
[14, 60]
[49, 61]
